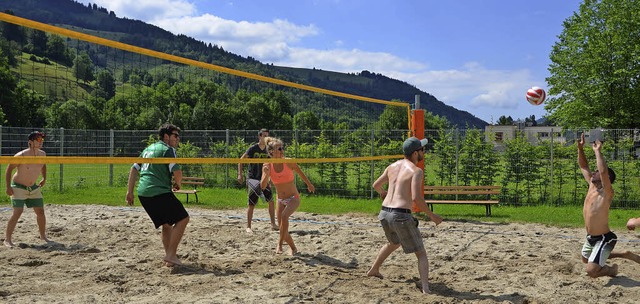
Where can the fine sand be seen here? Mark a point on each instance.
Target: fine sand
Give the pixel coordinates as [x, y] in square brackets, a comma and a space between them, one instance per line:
[106, 254]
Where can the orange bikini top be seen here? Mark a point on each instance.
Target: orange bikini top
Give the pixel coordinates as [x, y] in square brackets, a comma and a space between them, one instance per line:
[285, 176]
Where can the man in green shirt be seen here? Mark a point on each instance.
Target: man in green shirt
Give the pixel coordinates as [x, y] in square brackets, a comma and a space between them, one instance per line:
[155, 191]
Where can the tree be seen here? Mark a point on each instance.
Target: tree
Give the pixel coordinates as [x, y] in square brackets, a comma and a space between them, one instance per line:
[306, 120]
[505, 121]
[83, 67]
[393, 118]
[13, 32]
[595, 67]
[57, 50]
[105, 85]
[38, 41]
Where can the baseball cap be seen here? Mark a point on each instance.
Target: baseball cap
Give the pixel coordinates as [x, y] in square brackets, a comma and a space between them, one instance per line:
[35, 134]
[413, 144]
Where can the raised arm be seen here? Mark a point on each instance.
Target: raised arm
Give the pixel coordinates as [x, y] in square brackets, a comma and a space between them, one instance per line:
[602, 166]
[582, 160]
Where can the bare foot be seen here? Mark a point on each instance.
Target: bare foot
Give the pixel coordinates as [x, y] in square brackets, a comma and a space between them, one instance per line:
[426, 291]
[274, 227]
[293, 251]
[614, 270]
[44, 238]
[376, 274]
[170, 262]
[9, 244]
[279, 249]
[248, 230]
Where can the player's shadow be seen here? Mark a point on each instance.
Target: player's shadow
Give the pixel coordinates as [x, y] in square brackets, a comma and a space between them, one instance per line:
[321, 259]
[446, 291]
[192, 269]
[56, 246]
[623, 282]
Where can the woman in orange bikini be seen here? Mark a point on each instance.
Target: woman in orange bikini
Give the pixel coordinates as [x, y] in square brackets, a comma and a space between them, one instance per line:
[281, 174]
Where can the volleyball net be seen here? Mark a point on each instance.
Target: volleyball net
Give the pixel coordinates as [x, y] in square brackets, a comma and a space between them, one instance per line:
[102, 101]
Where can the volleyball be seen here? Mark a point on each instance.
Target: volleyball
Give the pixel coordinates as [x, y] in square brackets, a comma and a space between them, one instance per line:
[536, 96]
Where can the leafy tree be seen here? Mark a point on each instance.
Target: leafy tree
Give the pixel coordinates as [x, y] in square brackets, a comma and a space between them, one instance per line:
[595, 67]
[505, 121]
[477, 159]
[435, 122]
[57, 50]
[13, 32]
[445, 148]
[8, 84]
[393, 118]
[72, 114]
[105, 85]
[38, 42]
[83, 68]
[522, 168]
[306, 120]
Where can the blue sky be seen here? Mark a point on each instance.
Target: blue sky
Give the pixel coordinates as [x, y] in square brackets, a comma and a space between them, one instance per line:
[480, 56]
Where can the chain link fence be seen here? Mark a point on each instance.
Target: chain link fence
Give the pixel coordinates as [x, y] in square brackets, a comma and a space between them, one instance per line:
[534, 166]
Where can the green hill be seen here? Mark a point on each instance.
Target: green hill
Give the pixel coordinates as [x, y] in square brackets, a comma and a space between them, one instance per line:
[100, 22]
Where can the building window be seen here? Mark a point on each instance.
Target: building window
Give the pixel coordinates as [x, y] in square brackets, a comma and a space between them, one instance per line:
[499, 136]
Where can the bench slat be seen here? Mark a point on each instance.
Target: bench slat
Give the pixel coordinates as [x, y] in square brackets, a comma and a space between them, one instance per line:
[193, 183]
[194, 191]
[188, 178]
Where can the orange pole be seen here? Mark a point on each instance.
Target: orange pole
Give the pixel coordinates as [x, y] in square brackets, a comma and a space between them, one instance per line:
[417, 130]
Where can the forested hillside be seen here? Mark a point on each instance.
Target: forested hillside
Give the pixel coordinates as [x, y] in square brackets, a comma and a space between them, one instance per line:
[87, 93]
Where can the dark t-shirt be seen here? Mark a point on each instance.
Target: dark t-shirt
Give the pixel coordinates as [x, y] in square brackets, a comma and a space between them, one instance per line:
[255, 170]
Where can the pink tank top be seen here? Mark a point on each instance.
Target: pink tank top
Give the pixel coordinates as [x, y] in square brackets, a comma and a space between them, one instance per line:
[285, 176]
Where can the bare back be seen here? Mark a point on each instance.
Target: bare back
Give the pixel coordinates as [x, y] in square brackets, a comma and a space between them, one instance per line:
[401, 176]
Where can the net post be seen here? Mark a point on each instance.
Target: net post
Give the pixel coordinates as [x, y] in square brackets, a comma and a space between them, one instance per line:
[111, 154]
[417, 130]
[61, 182]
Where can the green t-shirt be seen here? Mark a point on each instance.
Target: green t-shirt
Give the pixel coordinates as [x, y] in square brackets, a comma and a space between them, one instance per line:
[155, 179]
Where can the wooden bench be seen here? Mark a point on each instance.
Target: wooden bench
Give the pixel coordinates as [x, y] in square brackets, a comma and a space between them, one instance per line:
[195, 182]
[458, 191]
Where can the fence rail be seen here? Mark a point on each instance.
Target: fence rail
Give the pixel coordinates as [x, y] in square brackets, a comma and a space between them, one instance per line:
[531, 169]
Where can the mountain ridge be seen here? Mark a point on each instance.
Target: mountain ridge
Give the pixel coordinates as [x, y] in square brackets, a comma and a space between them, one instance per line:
[139, 33]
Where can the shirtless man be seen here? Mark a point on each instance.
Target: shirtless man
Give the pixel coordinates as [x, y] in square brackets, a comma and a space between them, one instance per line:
[405, 181]
[24, 189]
[600, 239]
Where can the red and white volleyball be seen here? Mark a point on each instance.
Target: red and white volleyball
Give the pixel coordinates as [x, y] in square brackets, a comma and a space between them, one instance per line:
[536, 96]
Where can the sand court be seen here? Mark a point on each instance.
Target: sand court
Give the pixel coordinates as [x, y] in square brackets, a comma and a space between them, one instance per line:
[113, 255]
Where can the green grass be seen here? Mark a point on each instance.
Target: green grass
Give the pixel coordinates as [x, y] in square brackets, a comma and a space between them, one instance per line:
[236, 199]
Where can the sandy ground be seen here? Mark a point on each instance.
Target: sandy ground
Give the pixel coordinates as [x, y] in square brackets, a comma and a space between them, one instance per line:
[113, 255]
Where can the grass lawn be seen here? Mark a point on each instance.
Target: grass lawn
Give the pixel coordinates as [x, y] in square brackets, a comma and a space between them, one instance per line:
[236, 199]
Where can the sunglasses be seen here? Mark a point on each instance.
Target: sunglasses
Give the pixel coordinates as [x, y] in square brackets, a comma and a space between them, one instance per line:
[39, 139]
[280, 149]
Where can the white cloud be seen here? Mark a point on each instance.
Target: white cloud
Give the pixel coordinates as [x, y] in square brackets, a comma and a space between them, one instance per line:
[472, 87]
[147, 10]
[347, 60]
